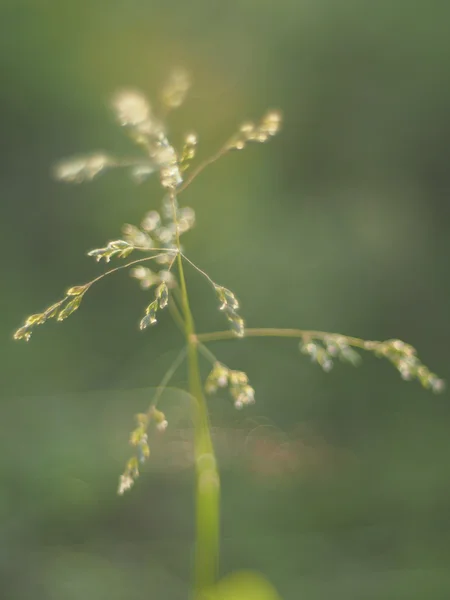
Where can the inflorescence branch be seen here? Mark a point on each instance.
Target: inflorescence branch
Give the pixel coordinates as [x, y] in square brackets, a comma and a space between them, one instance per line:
[324, 348]
[160, 231]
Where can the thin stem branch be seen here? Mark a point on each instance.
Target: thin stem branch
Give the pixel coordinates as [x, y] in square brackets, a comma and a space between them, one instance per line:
[212, 358]
[163, 250]
[280, 333]
[197, 268]
[172, 262]
[167, 377]
[202, 166]
[130, 264]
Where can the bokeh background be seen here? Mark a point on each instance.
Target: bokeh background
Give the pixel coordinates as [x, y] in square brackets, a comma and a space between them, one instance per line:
[334, 485]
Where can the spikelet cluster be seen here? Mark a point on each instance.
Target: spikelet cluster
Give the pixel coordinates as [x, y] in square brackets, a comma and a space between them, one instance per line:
[189, 150]
[260, 132]
[148, 278]
[325, 352]
[133, 111]
[139, 441]
[59, 311]
[116, 248]
[402, 356]
[236, 381]
[160, 302]
[230, 305]
[161, 229]
[405, 360]
[79, 169]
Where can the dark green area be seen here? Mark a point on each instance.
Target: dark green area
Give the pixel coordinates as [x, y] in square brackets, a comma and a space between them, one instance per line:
[341, 223]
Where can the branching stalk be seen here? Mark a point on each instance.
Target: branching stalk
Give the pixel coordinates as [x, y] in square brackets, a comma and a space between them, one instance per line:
[282, 333]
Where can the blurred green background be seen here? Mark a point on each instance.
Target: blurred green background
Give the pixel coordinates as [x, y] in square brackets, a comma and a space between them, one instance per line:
[341, 223]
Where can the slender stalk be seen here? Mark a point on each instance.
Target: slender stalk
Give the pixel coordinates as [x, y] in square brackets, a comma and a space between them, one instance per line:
[212, 358]
[282, 333]
[207, 477]
[202, 166]
[201, 271]
[126, 266]
[166, 379]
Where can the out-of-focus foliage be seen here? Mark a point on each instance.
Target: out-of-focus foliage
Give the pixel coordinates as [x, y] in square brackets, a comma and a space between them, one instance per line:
[342, 225]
